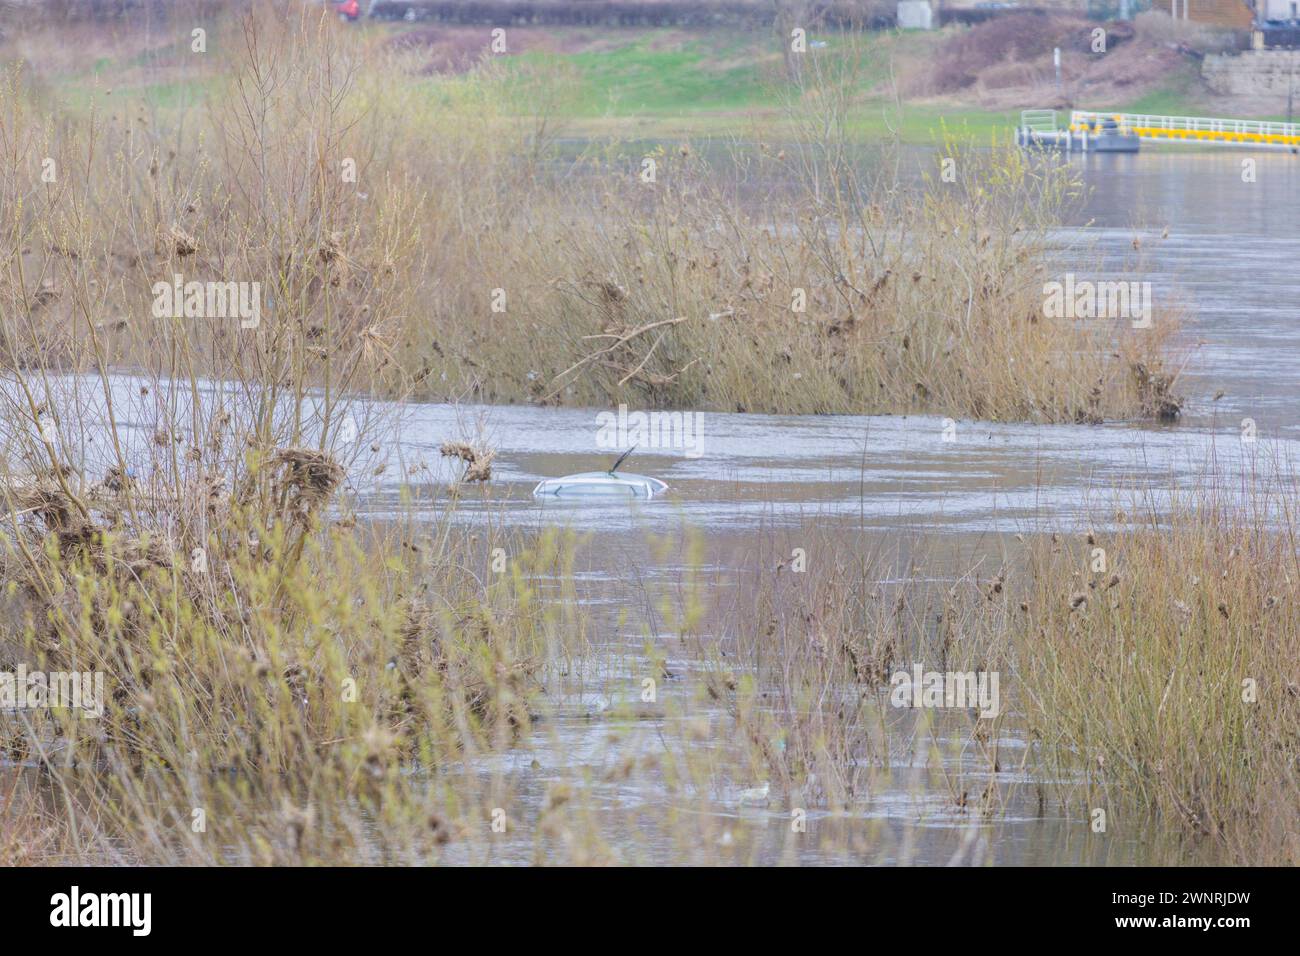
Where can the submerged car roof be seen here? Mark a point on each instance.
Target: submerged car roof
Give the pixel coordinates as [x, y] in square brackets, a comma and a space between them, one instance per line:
[600, 482]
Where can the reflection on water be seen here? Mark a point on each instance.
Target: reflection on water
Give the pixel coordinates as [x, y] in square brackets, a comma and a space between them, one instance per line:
[1230, 257]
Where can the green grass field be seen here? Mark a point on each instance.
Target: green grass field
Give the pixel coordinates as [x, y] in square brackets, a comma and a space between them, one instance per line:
[663, 83]
[700, 76]
[659, 84]
[655, 84]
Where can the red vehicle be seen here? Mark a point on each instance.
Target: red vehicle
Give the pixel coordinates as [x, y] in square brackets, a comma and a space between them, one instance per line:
[348, 10]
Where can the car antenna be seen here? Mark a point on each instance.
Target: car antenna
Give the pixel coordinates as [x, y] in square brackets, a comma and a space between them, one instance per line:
[614, 467]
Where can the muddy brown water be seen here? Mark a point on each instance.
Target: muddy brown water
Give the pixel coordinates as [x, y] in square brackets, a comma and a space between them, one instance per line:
[960, 492]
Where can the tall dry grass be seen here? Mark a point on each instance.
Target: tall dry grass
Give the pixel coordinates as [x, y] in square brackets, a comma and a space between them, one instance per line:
[1151, 669]
[1167, 684]
[818, 283]
[469, 261]
[283, 683]
[819, 652]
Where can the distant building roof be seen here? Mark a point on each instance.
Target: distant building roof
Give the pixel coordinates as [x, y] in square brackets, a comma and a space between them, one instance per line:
[1232, 14]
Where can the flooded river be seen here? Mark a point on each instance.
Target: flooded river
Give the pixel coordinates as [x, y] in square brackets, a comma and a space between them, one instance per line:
[961, 490]
[964, 491]
[1229, 258]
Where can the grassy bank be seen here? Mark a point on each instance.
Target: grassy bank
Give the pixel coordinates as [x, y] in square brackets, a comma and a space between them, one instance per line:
[660, 82]
[654, 83]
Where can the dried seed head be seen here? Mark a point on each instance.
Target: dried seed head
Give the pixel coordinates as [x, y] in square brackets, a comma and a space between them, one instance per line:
[182, 243]
[441, 832]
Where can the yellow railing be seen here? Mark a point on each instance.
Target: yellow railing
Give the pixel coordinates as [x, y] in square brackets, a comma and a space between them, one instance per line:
[1195, 129]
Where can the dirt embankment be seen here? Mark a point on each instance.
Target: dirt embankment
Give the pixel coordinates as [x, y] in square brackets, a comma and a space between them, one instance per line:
[1008, 62]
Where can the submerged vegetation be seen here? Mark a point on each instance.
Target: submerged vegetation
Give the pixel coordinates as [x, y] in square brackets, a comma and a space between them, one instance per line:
[1153, 670]
[1161, 662]
[316, 694]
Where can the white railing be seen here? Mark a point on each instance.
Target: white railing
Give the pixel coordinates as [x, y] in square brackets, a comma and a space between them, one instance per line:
[1188, 124]
[1040, 121]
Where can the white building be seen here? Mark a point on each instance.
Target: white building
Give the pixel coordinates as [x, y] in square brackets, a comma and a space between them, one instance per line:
[915, 15]
[1277, 9]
